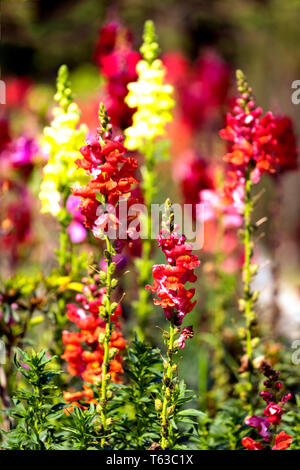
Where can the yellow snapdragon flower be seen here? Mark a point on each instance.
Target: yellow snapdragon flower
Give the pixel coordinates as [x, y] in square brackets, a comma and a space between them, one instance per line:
[152, 98]
[62, 141]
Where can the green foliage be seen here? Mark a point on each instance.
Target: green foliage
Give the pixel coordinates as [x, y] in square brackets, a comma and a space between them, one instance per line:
[136, 406]
[133, 404]
[37, 409]
[183, 420]
[223, 432]
[81, 430]
[291, 424]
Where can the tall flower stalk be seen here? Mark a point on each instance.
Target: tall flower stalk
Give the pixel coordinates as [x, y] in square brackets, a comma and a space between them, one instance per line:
[61, 141]
[247, 274]
[252, 153]
[106, 315]
[169, 386]
[153, 102]
[111, 174]
[176, 301]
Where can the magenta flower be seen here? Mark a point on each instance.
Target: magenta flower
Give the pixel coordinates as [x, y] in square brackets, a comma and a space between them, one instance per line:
[261, 424]
[76, 230]
[23, 151]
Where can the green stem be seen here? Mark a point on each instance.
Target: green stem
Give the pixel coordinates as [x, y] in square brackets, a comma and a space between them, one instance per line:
[63, 257]
[108, 331]
[63, 249]
[145, 267]
[168, 383]
[274, 436]
[64, 239]
[248, 297]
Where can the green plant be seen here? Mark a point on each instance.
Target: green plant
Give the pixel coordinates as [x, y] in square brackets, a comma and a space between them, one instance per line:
[37, 408]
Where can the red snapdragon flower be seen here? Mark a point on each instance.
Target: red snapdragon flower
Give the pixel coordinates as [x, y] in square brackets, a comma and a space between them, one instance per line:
[106, 41]
[273, 413]
[252, 139]
[282, 441]
[205, 90]
[117, 62]
[250, 444]
[286, 147]
[17, 89]
[112, 176]
[169, 280]
[268, 397]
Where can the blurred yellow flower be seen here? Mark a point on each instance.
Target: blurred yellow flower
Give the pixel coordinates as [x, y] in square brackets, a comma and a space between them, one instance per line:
[152, 98]
[61, 141]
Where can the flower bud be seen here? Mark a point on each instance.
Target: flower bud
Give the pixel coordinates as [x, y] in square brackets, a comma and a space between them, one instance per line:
[109, 422]
[102, 312]
[102, 275]
[253, 269]
[113, 307]
[158, 405]
[112, 267]
[112, 353]
[101, 338]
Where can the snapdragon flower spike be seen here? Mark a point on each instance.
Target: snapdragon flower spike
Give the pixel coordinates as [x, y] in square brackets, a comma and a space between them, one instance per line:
[201, 88]
[111, 174]
[267, 425]
[151, 97]
[169, 280]
[251, 135]
[83, 352]
[61, 141]
[117, 61]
